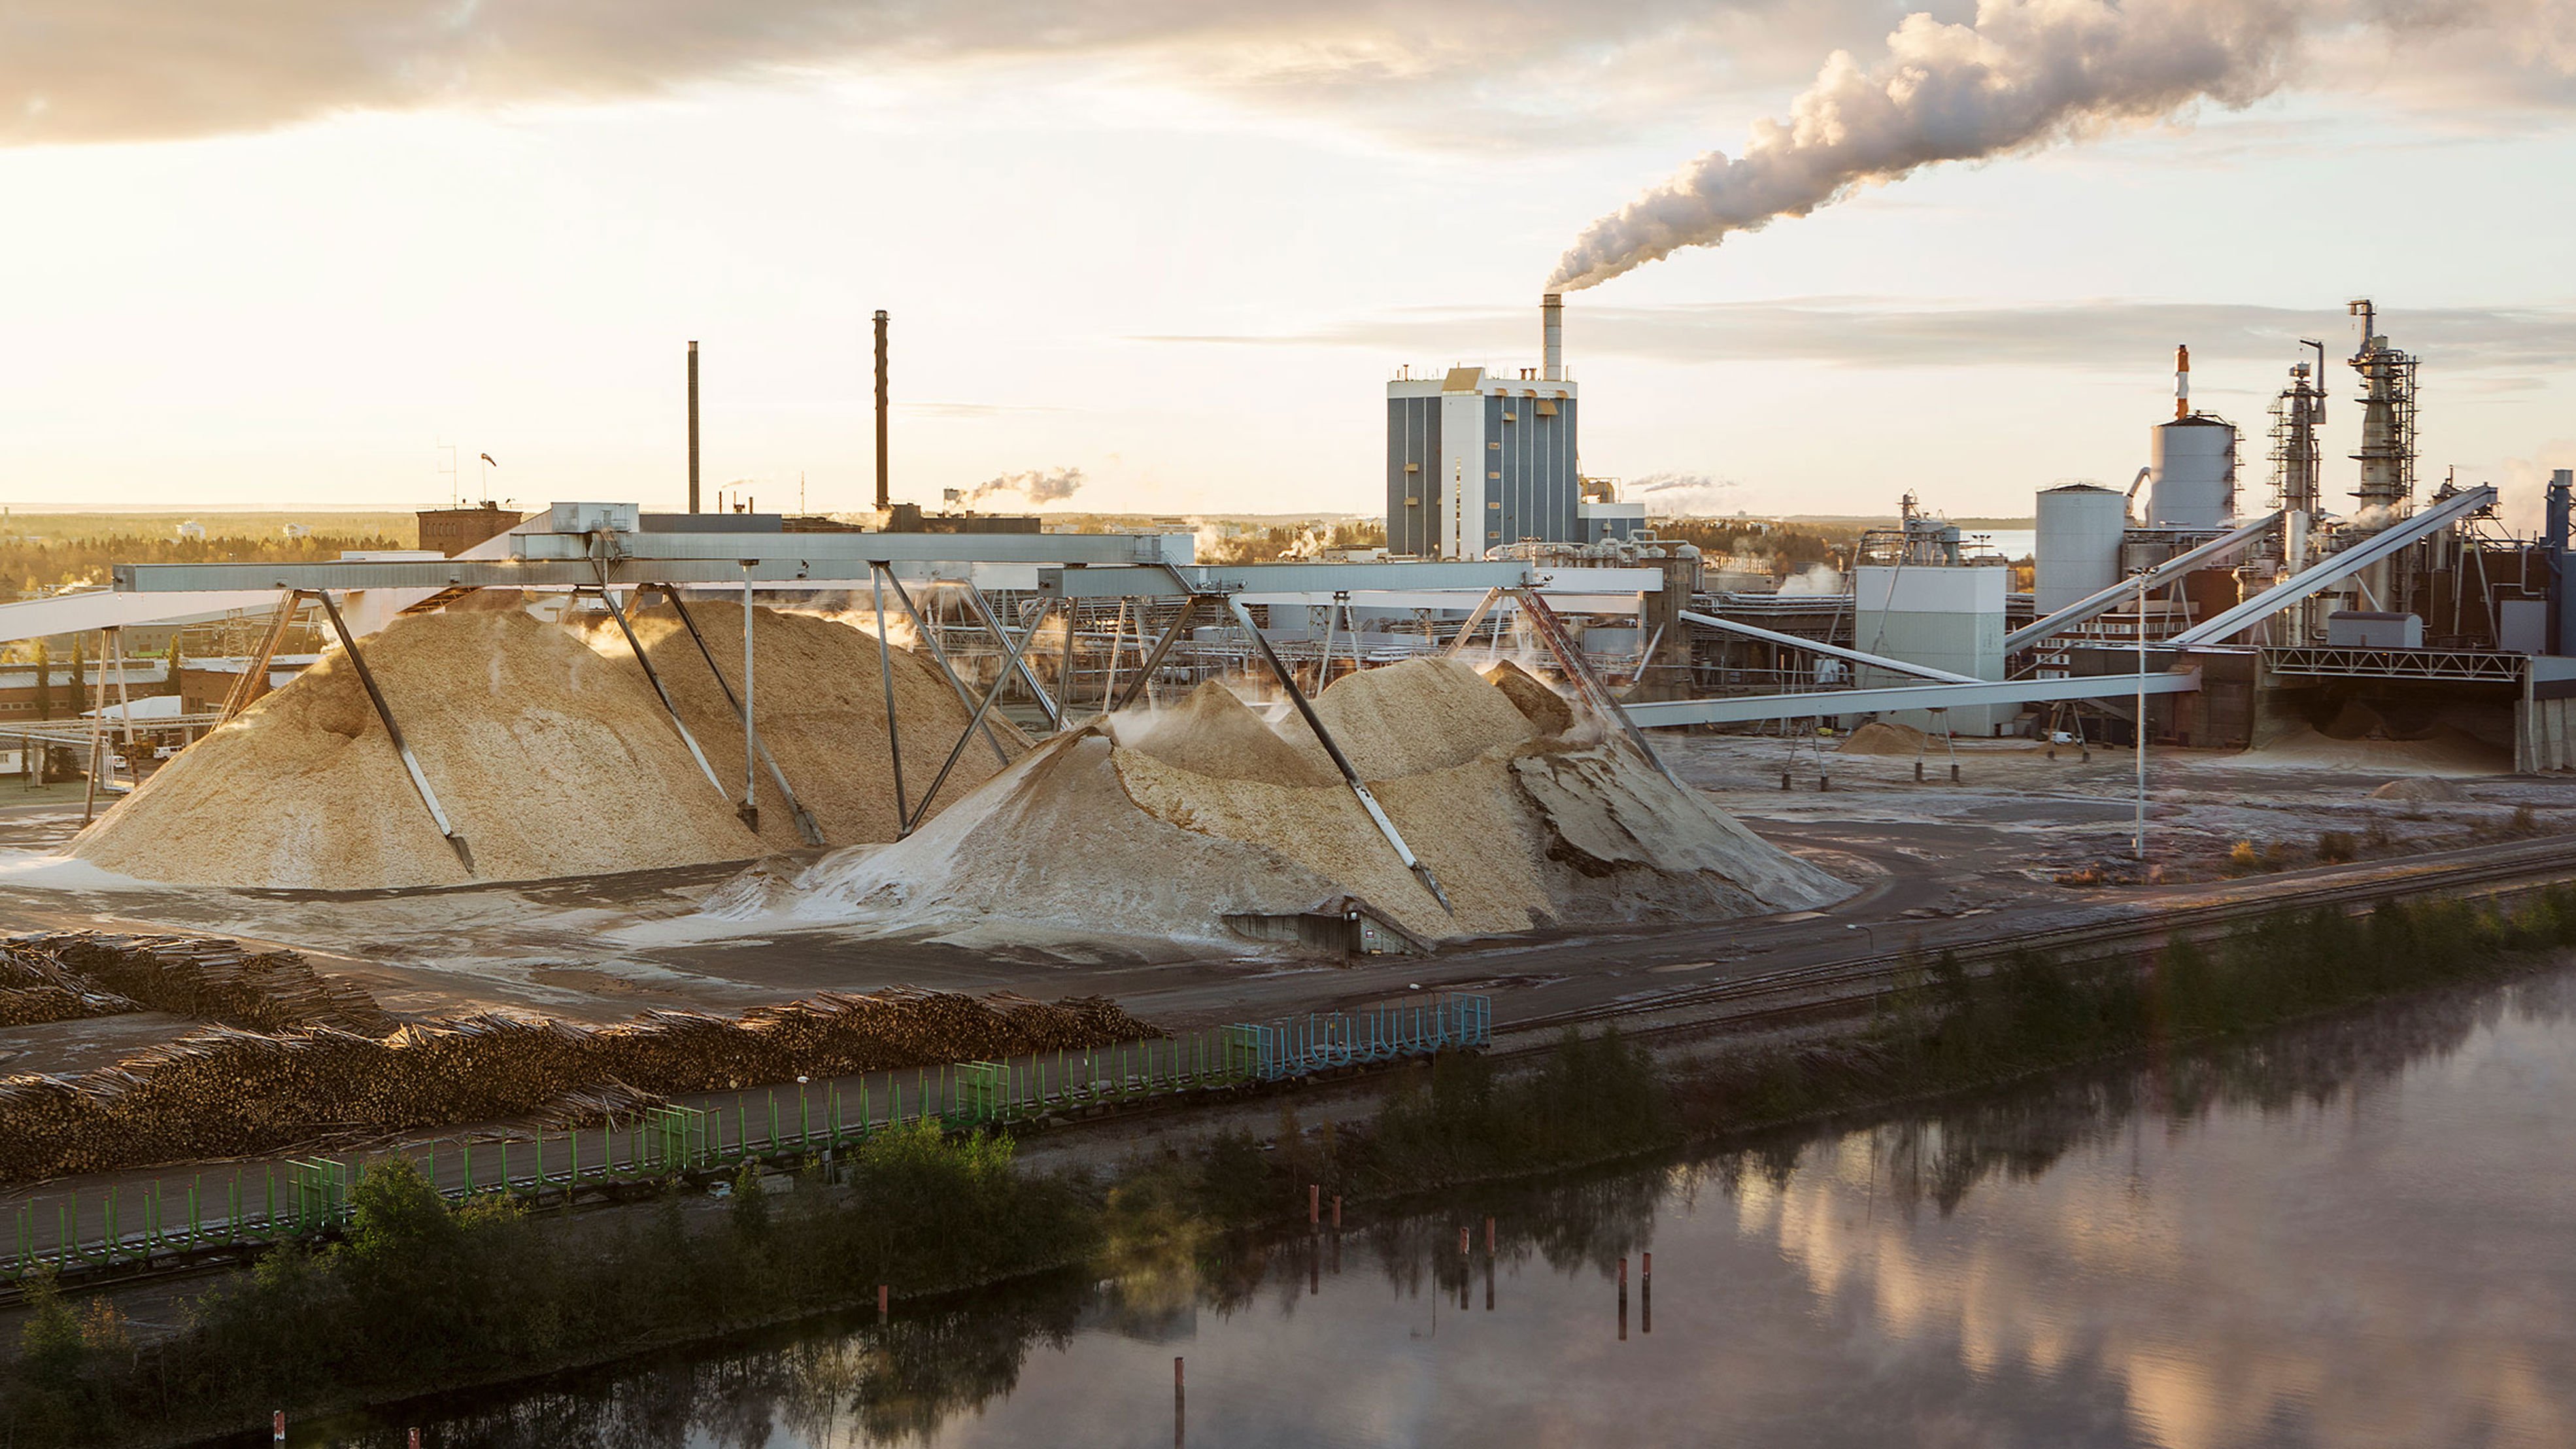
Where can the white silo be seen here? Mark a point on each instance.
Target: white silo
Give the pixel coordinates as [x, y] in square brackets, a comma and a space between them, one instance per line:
[2192, 474]
[2077, 552]
[2192, 462]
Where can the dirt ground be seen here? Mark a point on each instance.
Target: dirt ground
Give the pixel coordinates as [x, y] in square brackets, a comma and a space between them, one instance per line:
[2020, 832]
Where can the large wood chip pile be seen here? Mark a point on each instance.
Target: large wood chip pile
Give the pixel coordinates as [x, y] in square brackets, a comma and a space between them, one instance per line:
[227, 1092]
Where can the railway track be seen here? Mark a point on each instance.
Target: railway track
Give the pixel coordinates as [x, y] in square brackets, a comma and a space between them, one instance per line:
[2526, 863]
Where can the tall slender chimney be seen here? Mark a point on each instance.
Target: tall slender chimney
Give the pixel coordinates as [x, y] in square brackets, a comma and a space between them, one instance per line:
[693, 427]
[1551, 313]
[885, 497]
[2182, 382]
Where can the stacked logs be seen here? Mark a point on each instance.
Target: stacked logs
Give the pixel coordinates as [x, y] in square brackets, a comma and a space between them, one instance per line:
[228, 1092]
[209, 978]
[34, 988]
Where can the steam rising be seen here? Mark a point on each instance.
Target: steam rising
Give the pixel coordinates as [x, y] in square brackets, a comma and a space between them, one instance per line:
[2026, 74]
[1676, 495]
[1038, 485]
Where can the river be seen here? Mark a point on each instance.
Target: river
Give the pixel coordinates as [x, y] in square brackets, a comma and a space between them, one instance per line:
[2357, 1232]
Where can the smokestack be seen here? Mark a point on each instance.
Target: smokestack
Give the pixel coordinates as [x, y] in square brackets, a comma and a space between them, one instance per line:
[1551, 314]
[2182, 382]
[885, 498]
[693, 427]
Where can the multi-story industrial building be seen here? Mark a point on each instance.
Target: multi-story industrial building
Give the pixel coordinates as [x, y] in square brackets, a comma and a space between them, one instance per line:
[1475, 460]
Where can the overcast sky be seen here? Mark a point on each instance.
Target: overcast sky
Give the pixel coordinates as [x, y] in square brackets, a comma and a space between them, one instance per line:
[276, 253]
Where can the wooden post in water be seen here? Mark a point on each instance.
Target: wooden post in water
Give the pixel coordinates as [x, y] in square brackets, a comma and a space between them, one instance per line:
[1180, 1406]
[1623, 1298]
[1314, 1203]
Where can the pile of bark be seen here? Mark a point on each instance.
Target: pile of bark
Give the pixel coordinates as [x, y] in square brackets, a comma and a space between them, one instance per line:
[228, 1092]
[210, 978]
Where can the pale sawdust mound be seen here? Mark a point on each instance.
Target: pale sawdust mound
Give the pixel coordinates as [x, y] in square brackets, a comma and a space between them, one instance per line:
[2443, 751]
[819, 706]
[548, 758]
[2426, 790]
[1213, 733]
[1548, 712]
[1052, 846]
[1090, 838]
[1884, 737]
[1461, 821]
[1422, 714]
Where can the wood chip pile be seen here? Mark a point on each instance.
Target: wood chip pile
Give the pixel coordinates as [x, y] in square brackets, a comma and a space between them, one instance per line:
[227, 1092]
[206, 977]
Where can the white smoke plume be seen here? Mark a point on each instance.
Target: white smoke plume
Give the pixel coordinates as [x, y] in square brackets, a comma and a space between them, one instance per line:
[1038, 485]
[2025, 74]
[1819, 579]
[1678, 495]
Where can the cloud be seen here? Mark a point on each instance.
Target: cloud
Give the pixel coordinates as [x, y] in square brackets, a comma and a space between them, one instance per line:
[1878, 332]
[1444, 70]
[1428, 73]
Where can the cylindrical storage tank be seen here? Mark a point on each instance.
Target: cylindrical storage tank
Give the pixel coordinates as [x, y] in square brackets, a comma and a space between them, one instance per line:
[2077, 552]
[2192, 477]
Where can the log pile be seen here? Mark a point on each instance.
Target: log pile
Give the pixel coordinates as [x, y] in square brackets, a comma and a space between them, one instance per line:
[206, 977]
[34, 988]
[229, 1092]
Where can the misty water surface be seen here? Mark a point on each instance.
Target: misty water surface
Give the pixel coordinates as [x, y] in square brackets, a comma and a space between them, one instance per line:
[2359, 1232]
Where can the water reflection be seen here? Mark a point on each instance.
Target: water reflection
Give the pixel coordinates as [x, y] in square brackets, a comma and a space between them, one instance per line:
[2353, 1233]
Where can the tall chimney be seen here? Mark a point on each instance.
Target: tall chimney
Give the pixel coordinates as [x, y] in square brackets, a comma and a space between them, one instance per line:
[885, 498]
[2182, 382]
[1551, 313]
[693, 427]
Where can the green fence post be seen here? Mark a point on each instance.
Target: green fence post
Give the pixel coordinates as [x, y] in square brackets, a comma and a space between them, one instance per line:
[572, 1179]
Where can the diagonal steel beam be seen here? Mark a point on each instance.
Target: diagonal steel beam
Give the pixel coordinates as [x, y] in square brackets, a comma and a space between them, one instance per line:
[1569, 657]
[393, 731]
[244, 689]
[1475, 616]
[939, 656]
[811, 833]
[1001, 681]
[1341, 762]
[662, 692]
[1145, 672]
[993, 626]
[885, 676]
